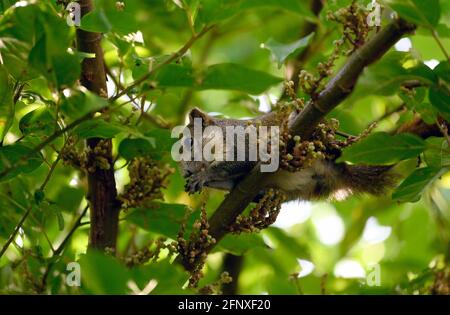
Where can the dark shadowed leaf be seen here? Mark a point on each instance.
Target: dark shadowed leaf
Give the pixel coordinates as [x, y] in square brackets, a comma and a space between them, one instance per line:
[98, 128]
[162, 218]
[37, 122]
[12, 155]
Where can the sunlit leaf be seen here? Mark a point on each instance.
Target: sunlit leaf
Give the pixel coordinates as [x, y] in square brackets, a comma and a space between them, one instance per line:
[382, 148]
[411, 189]
[281, 52]
[425, 13]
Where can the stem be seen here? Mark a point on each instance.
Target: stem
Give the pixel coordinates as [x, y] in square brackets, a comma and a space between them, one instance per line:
[61, 246]
[170, 59]
[441, 46]
[16, 230]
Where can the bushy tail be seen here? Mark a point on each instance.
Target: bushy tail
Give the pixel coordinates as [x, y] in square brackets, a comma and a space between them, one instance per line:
[375, 180]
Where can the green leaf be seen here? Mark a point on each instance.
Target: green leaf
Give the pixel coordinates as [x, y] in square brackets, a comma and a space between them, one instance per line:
[6, 103]
[170, 277]
[437, 155]
[425, 13]
[82, 102]
[37, 122]
[162, 218]
[225, 76]
[104, 20]
[213, 11]
[439, 93]
[382, 148]
[103, 274]
[442, 70]
[157, 143]
[428, 113]
[96, 21]
[440, 98]
[98, 128]
[11, 155]
[49, 55]
[411, 189]
[240, 244]
[66, 68]
[174, 75]
[388, 74]
[162, 142]
[14, 54]
[69, 198]
[131, 148]
[228, 76]
[281, 52]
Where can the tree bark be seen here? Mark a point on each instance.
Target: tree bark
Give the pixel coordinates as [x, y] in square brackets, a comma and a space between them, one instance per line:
[102, 193]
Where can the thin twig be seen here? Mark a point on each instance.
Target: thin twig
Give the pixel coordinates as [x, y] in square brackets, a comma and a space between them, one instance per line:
[169, 60]
[441, 46]
[60, 248]
[16, 230]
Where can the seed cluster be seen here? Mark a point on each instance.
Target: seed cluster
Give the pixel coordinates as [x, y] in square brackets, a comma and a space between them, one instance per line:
[215, 288]
[71, 156]
[262, 215]
[441, 284]
[194, 250]
[313, 84]
[146, 181]
[90, 159]
[296, 153]
[150, 254]
[354, 21]
[99, 156]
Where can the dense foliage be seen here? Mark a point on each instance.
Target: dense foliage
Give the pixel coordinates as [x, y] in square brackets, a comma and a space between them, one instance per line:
[229, 57]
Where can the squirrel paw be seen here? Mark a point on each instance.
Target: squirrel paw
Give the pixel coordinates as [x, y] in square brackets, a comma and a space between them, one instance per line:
[195, 183]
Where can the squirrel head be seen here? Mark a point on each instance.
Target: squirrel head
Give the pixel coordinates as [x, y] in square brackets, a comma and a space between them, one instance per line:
[197, 113]
[191, 167]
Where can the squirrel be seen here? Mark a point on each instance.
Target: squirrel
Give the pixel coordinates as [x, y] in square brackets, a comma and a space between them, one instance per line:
[320, 179]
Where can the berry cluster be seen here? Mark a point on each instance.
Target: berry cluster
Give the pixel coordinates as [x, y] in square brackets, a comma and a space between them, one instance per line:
[150, 254]
[195, 249]
[354, 21]
[146, 181]
[215, 288]
[262, 215]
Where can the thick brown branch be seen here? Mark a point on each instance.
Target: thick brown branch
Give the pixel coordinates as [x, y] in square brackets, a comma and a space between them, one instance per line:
[335, 91]
[104, 207]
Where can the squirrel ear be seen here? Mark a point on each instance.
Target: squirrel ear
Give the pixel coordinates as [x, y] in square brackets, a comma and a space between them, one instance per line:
[197, 113]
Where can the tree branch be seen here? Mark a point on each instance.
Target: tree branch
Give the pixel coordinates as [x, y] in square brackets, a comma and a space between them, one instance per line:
[102, 193]
[304, 124]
